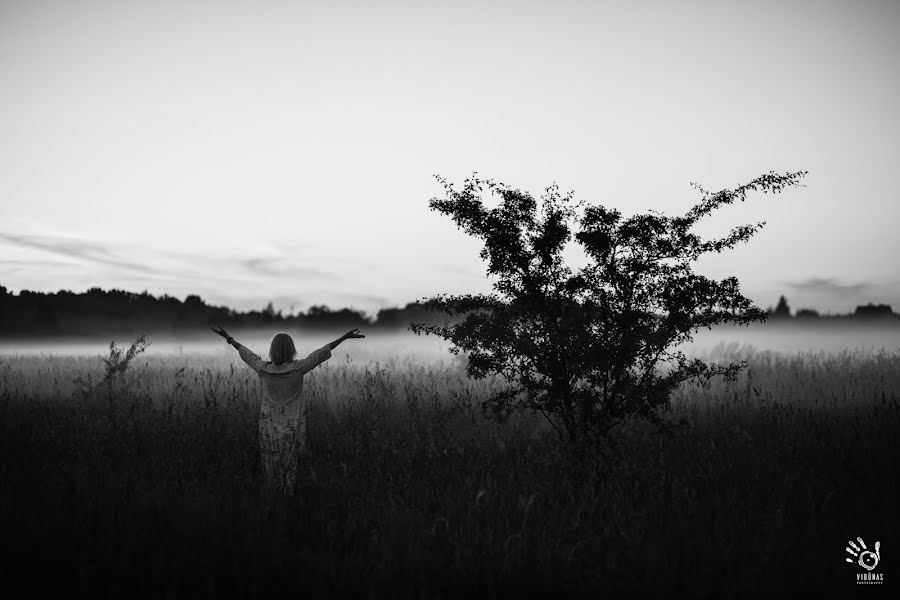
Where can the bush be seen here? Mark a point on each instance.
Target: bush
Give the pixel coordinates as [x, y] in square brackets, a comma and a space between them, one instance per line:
[591, 347]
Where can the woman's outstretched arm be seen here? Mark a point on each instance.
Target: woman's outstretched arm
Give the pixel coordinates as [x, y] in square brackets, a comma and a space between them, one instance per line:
[247, 356]
[319, 356]
[350, 335]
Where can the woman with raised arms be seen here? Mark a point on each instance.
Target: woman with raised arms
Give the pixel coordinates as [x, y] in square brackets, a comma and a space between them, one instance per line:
[282, 417]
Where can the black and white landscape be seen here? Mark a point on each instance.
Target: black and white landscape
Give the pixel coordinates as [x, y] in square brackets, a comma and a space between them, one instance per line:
[626, 274]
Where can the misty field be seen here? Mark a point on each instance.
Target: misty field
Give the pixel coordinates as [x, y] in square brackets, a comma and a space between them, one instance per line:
[151, 486]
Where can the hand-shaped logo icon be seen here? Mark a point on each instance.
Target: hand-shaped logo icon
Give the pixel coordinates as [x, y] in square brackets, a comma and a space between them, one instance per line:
[867, 559]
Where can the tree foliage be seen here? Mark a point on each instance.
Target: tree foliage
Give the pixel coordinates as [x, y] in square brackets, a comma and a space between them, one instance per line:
[589, 347]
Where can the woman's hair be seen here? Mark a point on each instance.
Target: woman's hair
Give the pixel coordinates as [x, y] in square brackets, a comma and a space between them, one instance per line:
[282, 349]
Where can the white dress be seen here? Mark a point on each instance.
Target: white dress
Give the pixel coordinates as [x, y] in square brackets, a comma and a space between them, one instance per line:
[282, 416]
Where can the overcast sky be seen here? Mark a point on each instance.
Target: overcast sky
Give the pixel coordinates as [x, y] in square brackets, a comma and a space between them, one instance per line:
[249, 151]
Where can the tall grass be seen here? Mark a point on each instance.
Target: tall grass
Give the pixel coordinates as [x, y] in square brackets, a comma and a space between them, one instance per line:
[151, 486]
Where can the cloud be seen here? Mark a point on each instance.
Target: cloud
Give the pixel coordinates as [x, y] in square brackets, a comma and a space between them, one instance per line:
[277, 267]
[161, 266]
[243, 270]
[829, 286]
[243, 280]
[77, 248]
[461, 271]
[292, 249]
[21, 264]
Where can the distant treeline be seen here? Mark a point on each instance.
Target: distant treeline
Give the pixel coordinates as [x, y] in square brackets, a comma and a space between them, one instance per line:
[98, 312]
[867, 311]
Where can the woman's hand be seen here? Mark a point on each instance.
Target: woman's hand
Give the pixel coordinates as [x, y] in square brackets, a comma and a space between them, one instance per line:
[220, 331]
[350, 335]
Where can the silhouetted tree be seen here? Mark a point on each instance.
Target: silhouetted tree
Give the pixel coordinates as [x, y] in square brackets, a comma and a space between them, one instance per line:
[874, 310]
[403, 317]
[782, 310]
[322, 316]
[807, 313]
[269, 313]
[588, 348]
[194, 302]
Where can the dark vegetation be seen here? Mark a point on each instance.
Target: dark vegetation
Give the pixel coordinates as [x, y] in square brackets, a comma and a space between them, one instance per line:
[148, 485]
[587, 348]
[864, 312]
[118, 312]
[99, 312]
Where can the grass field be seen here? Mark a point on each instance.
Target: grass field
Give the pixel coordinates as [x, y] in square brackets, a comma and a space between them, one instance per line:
[152, 487]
